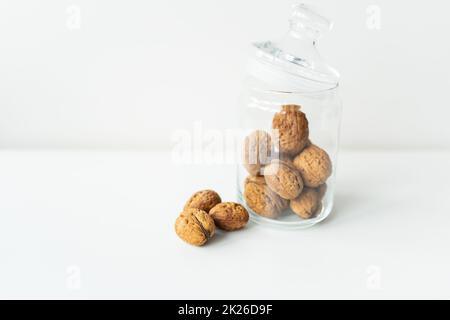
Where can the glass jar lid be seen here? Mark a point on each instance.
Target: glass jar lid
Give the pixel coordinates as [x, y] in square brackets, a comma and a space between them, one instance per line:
[293, 63]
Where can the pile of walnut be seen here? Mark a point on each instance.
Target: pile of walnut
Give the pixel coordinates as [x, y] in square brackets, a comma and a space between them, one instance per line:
[296, 178]
[203, 212]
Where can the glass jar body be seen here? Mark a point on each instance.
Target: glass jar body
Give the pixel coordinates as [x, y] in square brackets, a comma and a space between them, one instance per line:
[259, 104]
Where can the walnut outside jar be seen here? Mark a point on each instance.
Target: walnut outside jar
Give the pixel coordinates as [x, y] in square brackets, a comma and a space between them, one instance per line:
[290, 100]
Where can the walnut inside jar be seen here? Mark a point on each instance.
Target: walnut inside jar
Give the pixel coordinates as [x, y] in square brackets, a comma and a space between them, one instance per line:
[291, 128]
[256, 151]
[307, 204]
[284, 179]
[261, 199]
[314, 165]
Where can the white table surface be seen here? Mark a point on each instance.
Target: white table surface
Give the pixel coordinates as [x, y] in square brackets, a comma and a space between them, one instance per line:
[92, 224]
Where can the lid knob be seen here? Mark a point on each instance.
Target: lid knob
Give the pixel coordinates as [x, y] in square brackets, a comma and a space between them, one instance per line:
[293, 63]
[305, 22]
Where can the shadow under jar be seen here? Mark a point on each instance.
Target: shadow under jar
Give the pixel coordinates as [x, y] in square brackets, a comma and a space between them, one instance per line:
[290, 119]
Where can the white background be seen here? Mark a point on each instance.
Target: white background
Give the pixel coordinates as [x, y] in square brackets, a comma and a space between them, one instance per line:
[135, 71]
[99, 224]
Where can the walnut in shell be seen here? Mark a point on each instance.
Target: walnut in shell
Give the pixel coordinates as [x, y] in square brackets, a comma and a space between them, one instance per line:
[261, 199]
[203, 200]
[292, 128]
[307, 204]
[229, 216]
[284, 179]
[257, 151]
[314, 165]
[195, 226]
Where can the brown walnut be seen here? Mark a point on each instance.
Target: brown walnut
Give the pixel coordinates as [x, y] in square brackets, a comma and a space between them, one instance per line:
[229, 216]
[284, 179]
[195, 226]
[314, 165]
[292, 127]
[203, 200]
[307, 203]
[257, 151]
[261, 199]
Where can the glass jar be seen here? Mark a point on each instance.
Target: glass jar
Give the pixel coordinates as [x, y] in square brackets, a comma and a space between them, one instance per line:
[290, 116]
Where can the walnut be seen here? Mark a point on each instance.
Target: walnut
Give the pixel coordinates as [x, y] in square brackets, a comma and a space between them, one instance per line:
[293, 131]
[203, 200]
[284, 179]
[307, 204]
[253, 179]
[229, 216]
[195, 226]
[314, 165]
[257, 151]
[261, 199]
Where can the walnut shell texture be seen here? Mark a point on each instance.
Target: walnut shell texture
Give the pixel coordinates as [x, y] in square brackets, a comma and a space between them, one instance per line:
[293, 129]
[204, 200]
[255, 179]
[261, 199]
[195, 226]
[307, 204]
[229, 216]
[284, 179]
[314, 165]
[257, 151]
